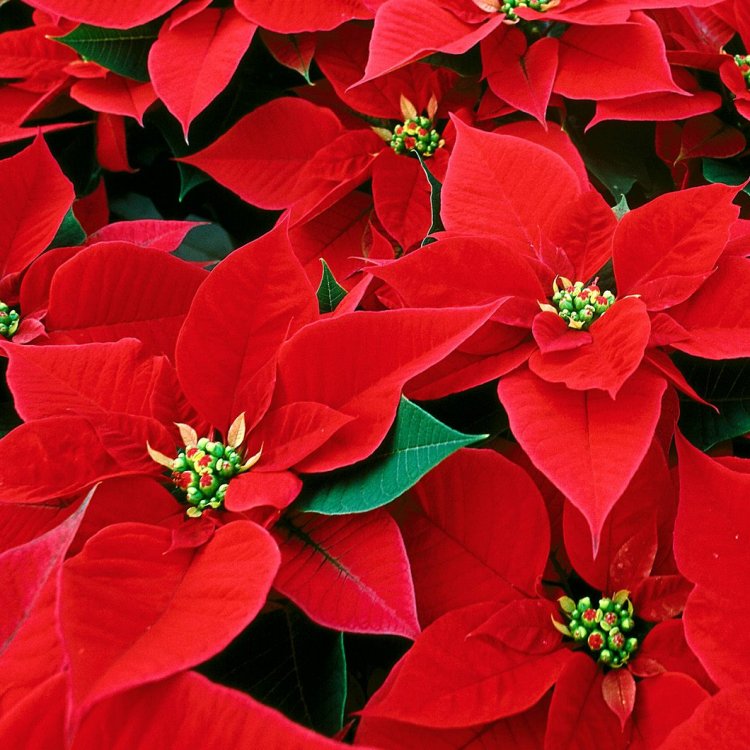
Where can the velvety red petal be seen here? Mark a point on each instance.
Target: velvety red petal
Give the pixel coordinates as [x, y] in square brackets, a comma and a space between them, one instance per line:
[258, 488]
[495, 544]
[348, 572]
[521, 75]
[210, 45]
[34, 197]
[376, 354]
[169, 610]
[717, 316]
[293, 16]
[722, 717]
[260, 157]
[450, 680]
[618, 343]
[601, 65]
[148, 294]
[579, 715]
[115, 95]
[524, 731]
[92, 378]
[260, 294]
[153, 233]
[692, 227]
[189, 711]
[590, 474]
[489, 180]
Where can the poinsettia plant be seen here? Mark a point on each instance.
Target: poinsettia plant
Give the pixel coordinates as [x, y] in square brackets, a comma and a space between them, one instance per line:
[374, 373]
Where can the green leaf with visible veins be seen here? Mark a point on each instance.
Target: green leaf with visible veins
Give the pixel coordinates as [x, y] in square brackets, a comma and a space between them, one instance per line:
[726, 385]
[416, 443]
[330, 292]
[123, 51]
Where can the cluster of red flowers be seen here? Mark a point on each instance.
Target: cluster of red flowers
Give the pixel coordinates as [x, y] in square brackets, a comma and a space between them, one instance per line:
[504, 420]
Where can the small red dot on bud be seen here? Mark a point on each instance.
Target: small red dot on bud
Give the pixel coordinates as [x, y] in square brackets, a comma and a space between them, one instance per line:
[206, 480]
[610, 618]
[589, 615]
[595, 641]
[182, 479]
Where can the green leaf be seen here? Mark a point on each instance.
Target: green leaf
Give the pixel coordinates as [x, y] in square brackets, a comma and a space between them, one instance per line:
[123, 51]
[725, 172]
[621, 207]
[330, 292]
[209, 243]
[620, 155]
[286, 661]
[726, 384]
[70, 233]
[415, 444]
[436, 188]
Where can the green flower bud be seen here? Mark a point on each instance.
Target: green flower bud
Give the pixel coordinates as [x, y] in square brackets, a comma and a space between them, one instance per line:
[578, 305]
[202, 470]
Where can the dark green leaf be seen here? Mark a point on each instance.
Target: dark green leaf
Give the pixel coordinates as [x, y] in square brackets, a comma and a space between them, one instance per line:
[330, 292]
[436, 188]
[468, 64]
[415, 444]
[286, 661]
[726, 384]
[133, 206]
[123, 51]
[621, 155]
[726, 172]
[190, 177]
[209, 243]
[70, 233]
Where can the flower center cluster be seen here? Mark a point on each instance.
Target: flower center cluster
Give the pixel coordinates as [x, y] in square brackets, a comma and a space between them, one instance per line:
[508, 7]
[743, 63]
[603, 630]
[416, 133]
[578, 305]
[202, 470]
[9, 320]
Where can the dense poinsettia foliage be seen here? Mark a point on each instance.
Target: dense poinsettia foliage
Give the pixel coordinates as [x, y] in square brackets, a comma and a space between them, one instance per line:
[374, 374]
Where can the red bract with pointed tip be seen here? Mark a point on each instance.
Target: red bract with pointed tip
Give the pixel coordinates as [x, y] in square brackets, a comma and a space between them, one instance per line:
[496, 656]
[253, 362]
[594, 376]
[585, 50]
[711, 536]
[210, 44]
[295, 155]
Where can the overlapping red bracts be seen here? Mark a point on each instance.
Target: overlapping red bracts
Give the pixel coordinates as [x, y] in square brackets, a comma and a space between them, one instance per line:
[113, 595]
[587, 388]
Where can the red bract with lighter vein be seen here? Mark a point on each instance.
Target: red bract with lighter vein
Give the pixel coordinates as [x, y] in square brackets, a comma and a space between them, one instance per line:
[259, 375]
[587, 305]
[488, 659]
